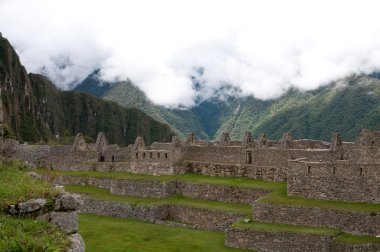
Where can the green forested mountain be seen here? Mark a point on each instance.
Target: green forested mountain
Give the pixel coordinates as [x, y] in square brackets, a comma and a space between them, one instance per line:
[130, 96]
[35, 110]
[346, 106]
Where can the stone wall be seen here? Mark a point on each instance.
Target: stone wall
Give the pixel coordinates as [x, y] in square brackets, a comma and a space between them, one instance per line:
[143, 188]
[220, 192]
[124, 210]
[340, 180]
[276, 241]
[220, 154]
[158, 189]
[156, 162]
[292, 242]
[203, 218]
[200, 218]
[266, 173]
[359, 223]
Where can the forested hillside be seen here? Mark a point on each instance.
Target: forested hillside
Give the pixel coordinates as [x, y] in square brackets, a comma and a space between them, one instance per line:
[35, 110]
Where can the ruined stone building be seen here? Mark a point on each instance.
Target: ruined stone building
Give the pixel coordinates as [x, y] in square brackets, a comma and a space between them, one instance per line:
[347, 171]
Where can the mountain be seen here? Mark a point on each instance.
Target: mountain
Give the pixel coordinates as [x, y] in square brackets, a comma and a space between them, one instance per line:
[128, 95]
[35, 110]
[344, 106]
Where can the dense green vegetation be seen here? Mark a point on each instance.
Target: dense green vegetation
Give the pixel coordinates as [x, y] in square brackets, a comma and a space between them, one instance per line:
[16, 186]
[25, 234]
[346, 106]
[35, 110]
[104, 194]
[18, 234]
[115, 235]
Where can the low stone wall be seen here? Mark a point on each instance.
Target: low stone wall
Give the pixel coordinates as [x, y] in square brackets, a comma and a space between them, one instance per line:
[292, 242]
[276, 241]
[104, 183]
[201, 218]
[124, 210]
[340, 247]
[220, 192]
[159, 189]
[143, 188]
[348, 221]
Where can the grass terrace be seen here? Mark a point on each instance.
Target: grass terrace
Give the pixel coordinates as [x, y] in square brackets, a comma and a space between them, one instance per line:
[104, 194]
[280, 197]
[287, 228]
[111, 234]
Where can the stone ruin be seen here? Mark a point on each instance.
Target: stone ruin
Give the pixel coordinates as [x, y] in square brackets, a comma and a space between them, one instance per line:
[346, 171]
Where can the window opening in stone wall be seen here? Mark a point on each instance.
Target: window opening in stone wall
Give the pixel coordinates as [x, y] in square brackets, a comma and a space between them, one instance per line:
[249, 157]
[166, 155]
[137, 155]
[309, 169]
[334, 170]
[113, 159]
[158, 155]
[151, 155]
[101, 158]
[372, 143]
[361, 171]
[143, 154]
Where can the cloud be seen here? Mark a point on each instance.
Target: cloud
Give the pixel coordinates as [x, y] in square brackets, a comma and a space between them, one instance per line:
[260, 47]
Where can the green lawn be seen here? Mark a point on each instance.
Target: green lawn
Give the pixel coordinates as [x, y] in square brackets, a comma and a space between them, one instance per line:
[114, 234]
[104, 194]
[189, 177]
[280, 197]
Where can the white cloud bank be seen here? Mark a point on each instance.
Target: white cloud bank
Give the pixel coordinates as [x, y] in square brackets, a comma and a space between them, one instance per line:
[262, 47]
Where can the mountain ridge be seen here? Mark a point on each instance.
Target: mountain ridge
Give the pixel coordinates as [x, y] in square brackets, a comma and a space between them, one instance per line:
[342, 106]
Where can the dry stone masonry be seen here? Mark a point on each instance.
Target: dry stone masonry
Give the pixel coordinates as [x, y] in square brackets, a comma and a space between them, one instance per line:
[341, 171]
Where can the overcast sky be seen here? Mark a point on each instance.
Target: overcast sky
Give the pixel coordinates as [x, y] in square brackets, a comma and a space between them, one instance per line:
[263, 47]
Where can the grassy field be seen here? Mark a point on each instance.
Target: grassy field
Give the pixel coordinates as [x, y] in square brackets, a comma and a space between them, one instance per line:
[116, 235]
[104, 194]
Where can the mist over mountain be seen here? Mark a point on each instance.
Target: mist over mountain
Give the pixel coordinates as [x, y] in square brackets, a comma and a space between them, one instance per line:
[346, 106]
[34, 110]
